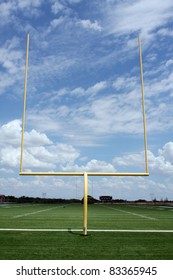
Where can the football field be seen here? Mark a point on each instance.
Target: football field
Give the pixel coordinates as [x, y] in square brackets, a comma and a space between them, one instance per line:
[54, 231]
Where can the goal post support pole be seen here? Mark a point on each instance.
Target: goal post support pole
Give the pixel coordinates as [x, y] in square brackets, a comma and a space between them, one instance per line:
[85, 204]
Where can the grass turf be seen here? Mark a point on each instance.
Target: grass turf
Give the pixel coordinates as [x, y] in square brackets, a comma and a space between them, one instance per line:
[97, 245]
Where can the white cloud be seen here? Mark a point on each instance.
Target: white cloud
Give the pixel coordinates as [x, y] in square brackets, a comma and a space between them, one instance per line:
[111, 114]
[40, 158]
[97, 87]
[64, 152]
[86, 23]
[43, 120]
[127, 83]
[9, 156]
[131, 188]
[39, 151]
[49, 67]
[119, 187]
[10, 133]
[94, 115]
[60, 6]
[74, 1]
[42, 153]
[54, 187]
[6, 171]
[159, 164]
[58, 153]
[159, 117]
[9, 9]
[160, 85]
[99, 166]
[11, 61]
[167, 152]
[29, 3]
[34, 139]
[55, 23]
[169, 62]
[52, 155]
[10, 80]
[143, 16]
[119, 111]
[80, 91]
[37, 161]
[165, 32]
[57, 6]
[136, 159]
[6, 9]
[92, 166]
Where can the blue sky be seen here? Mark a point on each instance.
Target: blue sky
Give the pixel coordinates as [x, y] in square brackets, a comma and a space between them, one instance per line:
[84, 108]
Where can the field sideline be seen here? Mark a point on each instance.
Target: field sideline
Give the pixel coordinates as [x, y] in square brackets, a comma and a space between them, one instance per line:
[51, 231]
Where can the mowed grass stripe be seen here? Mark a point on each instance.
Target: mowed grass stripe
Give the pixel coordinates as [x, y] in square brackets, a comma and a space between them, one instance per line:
[129, 212]
[109, 217]
[43, 216]
[38, 211]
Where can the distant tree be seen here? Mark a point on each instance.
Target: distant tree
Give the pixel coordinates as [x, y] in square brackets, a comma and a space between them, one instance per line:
[140, 200]
[91, 200]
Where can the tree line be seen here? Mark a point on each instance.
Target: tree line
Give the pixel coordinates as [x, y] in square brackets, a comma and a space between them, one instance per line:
[91, 200]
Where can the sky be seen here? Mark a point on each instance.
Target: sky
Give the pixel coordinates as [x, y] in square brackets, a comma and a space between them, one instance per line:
[84, 110]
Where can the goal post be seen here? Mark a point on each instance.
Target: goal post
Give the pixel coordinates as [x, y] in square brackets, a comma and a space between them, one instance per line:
[143, 105]
[24, 103]
[84, 174]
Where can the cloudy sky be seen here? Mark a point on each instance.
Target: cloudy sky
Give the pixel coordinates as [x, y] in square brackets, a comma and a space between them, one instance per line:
[84, 109]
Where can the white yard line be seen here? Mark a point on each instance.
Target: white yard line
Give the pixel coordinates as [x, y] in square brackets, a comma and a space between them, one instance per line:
[89, 230]
[40, 229]
[39, 211]
[131, 213]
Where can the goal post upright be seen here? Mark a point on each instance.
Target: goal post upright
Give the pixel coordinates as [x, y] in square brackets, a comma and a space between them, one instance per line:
[24, 103]
[143, 105]
[84, 174]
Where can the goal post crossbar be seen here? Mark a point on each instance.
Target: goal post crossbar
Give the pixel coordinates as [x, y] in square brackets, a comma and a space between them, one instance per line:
[28, 173]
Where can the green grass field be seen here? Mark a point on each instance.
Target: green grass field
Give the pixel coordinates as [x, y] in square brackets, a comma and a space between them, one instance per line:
[32, 231]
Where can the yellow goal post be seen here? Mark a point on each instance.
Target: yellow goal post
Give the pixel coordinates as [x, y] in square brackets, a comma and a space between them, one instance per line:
[84, 174]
